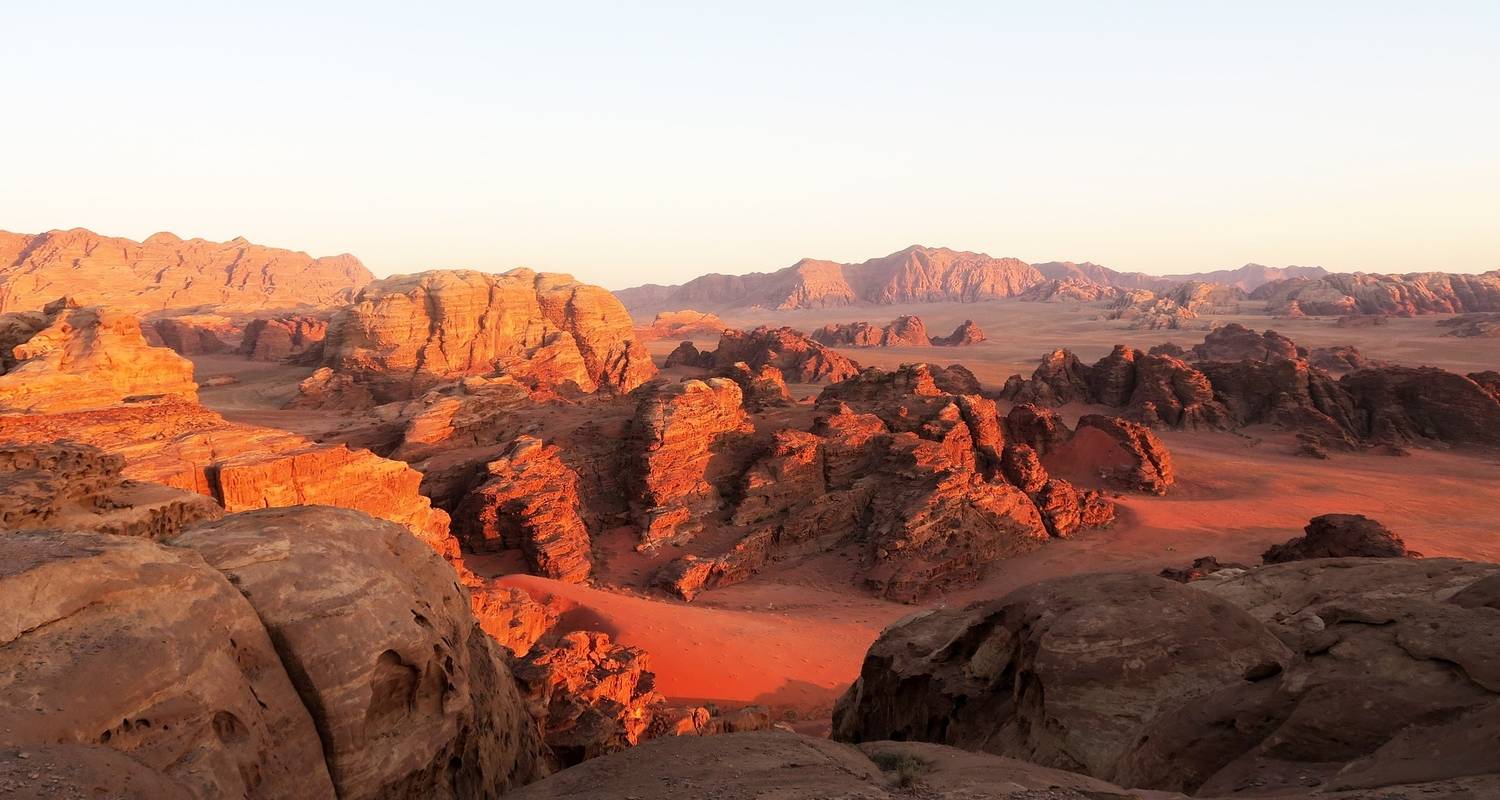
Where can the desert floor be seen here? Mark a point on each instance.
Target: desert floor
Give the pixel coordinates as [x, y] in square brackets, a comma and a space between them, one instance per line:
[793, 637]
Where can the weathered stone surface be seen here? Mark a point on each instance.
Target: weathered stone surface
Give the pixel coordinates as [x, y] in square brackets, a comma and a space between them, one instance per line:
[120, 642]
[763, 765]
[405, 334]
[1070, 289]
[592, 696]
[529, 501]
[904, 331]
[1072, 673]
[1112, 379]
[1021, 465]
[282, 338]
[79, 772]
[1040, 429]
[243, 467]
[799, 358]
[70, 486]
[412, 699]
[84, 357]
[761, 387]
[675, 434]
[1339, 536]
[1060, 379]
[1202, 567]
[165, 272]
[1169, 392]
[1126, 454]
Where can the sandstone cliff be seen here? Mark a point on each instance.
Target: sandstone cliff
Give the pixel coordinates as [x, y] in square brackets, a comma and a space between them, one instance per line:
[1397, 295]
[166, 272]
[405, 334]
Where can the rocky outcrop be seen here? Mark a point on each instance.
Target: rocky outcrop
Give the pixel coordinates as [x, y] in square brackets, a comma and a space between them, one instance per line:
[406, 334]
[386, 650]
[1340, 358]
[1405, 404]
[800, 359]
[1472, 326]
[914, 275]
[965, 334]
[762, 388]
[688, 355]
[1235, 342]
[293, 336]
[67, 486]
[683, 324]
[905, 331]
[1249, 277]
[1205, 297]
[1394, 295]
[1339, 536]
[1125, 454]
[676, 433]
[166, 272]
[118, 642]
[243, 467]
[183, 337]
[69, 357]
[1343, 675]
[1071, 289]
[591, 696]
[1146, 311]
[1014, 677]
[528, 501]
[741, 766]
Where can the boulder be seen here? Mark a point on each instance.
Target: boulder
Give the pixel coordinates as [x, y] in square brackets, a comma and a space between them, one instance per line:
[412, 698]
[120, 642]
[967, 333]
[1340, 536]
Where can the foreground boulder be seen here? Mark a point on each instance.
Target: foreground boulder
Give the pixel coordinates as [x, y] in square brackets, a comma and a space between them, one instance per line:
[753, 766]
[412, 699]
[1055, 674]
[1337, 674]
[68, 357]
[1339, 536]
[119, 642]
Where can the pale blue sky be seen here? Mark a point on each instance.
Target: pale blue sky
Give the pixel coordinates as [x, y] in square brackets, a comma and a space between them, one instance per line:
[629, 143]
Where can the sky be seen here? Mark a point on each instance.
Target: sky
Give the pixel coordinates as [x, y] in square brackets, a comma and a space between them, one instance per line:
[644, 142]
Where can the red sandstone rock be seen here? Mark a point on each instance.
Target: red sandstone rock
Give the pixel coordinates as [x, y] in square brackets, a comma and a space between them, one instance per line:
[1235, 342]
[676, 431]
[1395, 295]
[1070, 290]
[283, 338]
[1402, 404]
[183, 337]
[799, 358]
[529, 501]
[1041, 429]
[167, 272]
[243, 467]
[1023, 468]
[120, 642]
[77, 487]
[905, 331]
[964, 335]
[1169, 392]
[77, 358]
[1340, 536]
[383, 646]
[405, 334]
[683, 324]
[1125, 454]
[591, 695]
[761, 387]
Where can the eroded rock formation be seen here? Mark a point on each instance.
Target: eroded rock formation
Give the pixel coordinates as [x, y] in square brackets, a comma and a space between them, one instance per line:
[68, 357]
[406, 334]
[1394, 295]
[683, 324]
[1339, 536]
[529, 501]
[283, 338]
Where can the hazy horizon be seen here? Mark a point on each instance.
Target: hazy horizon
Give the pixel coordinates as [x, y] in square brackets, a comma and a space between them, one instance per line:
[652, 145]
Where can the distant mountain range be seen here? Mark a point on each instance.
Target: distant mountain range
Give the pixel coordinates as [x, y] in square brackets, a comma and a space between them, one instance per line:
[167, 272]
[919, 275]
